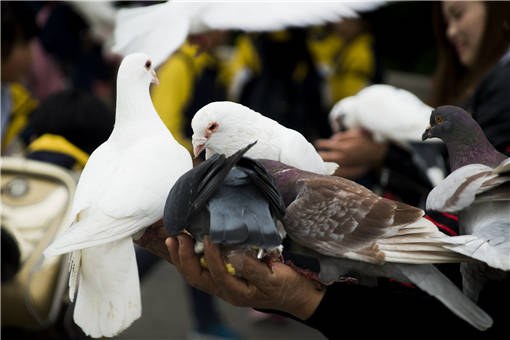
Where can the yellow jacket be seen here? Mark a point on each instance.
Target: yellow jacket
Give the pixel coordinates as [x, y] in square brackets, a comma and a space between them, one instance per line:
[22, 105]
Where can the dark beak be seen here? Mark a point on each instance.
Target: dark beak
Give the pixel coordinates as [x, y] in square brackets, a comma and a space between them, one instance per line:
[426, 134]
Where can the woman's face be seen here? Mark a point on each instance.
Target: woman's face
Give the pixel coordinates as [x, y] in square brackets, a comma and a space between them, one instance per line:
[465, 21]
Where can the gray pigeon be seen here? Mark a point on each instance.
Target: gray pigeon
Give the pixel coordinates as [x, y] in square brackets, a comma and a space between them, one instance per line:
[351, 230]
[232, 199]
[478, 191]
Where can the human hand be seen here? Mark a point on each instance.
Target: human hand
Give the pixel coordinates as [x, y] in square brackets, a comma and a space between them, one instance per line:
[279, 288]
[354, 150]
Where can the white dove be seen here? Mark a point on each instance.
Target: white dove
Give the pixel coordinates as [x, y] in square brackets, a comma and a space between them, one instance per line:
[160, 29]
[389, 113]
[225, 127]
[122, 190]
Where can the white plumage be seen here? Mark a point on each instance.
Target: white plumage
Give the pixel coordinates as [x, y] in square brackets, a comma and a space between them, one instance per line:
[225, 127]
[389, 113]
[122, 190]
[160, 29]
[480, 195]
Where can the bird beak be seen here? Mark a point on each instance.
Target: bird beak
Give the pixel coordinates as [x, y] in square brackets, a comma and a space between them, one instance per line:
[155, 79]
[199, 144]
[426, 134]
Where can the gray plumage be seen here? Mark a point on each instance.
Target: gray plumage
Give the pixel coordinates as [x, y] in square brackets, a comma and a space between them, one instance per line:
[350, 229]
[231, 199]
[478, 191]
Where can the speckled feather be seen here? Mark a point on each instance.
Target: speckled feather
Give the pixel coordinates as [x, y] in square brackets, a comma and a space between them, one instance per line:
[349, 229]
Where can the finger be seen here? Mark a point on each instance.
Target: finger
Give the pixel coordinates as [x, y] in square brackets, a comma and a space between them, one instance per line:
[332, 156]
[190, 267]
[255, 272]
[173, 249]
[324, 144]
[219, 273]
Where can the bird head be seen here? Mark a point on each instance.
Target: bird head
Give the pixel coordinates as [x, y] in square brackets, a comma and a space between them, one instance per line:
[219, 127]
[444, 121]
[137, 67]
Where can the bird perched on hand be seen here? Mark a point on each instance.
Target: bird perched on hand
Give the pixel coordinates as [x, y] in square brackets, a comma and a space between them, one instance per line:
[349, 229]
[478, 191]
[121, 191]
[145, 28]
[389, 113]
[232, 199]
[225, 127]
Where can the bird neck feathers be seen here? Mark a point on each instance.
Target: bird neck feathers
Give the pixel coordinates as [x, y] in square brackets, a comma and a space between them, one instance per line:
[470, 148]
[135, 109]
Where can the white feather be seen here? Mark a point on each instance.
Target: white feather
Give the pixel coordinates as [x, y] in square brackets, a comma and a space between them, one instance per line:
[239, 126]
[479, 195]
[389, 113]
[109, 289]
[146, 28]
[438, 198]
[121, 191]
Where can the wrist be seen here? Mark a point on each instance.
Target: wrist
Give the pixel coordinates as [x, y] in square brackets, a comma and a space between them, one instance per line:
[306, 301]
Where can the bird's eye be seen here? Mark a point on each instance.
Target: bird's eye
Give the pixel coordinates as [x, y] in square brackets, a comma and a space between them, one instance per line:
[439, 119]
[148, 64]
[213, 126]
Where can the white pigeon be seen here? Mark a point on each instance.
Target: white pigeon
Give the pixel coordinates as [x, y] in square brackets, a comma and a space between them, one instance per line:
[225, 127]
[389, 113]
[121, 191]
[161, 29]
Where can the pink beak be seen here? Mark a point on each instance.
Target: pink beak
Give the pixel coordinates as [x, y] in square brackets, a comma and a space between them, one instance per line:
[197, 149]
[155, 79]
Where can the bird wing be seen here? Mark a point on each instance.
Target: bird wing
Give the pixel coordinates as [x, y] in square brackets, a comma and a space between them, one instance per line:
[192, 191]
[265, 183]
[240, 213]
[296, 151]
[270, 16]
[122, 192]
[339, 218]
[170, 22]
[469, 183]
[180, 203]
[156, 30]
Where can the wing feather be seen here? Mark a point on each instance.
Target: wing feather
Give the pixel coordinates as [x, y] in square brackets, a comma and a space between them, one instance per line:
[347, 220]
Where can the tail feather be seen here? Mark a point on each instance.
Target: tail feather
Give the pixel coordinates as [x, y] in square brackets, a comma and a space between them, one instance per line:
[108, 299]
[431, 280]
[479, 249]
[74, 270]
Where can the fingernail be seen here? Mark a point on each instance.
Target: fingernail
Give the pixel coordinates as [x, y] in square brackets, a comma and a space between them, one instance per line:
[167, 241]
[180, 239]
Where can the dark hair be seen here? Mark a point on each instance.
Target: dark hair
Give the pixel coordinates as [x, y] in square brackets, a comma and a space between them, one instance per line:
[80, 117]
[454, 83]
[18, 24]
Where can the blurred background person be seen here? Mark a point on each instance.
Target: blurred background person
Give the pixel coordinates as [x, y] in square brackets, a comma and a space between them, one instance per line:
[472, 75]
[345, 55]
[274, 73]
[18, 31]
